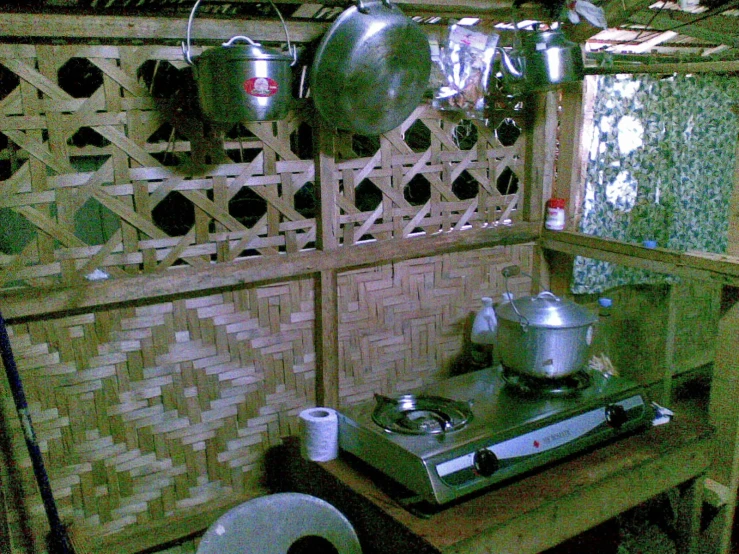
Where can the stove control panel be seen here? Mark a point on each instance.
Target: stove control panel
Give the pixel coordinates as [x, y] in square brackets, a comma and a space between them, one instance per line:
[516, 455]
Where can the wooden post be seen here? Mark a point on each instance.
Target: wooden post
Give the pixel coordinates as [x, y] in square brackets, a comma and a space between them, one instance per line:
[541, 146]
[669, 359]
[723, 409]
[733, 239]
[724, 412]
[575, 135]
[326, 297]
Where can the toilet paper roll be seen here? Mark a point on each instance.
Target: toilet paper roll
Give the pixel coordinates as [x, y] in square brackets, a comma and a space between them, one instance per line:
[319, 434]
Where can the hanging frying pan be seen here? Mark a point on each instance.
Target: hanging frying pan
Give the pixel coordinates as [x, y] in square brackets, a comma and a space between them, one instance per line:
[371, 68]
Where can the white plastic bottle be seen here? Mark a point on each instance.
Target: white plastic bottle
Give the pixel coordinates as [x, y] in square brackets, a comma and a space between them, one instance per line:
[484, 332]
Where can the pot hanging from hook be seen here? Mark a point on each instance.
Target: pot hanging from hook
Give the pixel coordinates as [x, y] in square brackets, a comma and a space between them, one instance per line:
[241, 80]
[371, 68]
[540, 59]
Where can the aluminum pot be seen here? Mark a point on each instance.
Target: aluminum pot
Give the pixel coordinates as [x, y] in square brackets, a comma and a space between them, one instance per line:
[241, 80]
[371, 68]
[545, 59]
[544, 336]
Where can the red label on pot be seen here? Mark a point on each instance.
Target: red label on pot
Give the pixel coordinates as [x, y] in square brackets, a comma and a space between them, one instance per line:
[261, 86]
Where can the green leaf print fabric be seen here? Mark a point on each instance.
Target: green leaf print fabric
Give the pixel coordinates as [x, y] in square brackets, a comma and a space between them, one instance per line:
[661, 167]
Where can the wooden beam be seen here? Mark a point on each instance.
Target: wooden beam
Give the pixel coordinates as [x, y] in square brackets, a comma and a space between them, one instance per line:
[181, 281]
[703, 266]
[665, 68]
[664, 21]
[617, 13]
[51, 26]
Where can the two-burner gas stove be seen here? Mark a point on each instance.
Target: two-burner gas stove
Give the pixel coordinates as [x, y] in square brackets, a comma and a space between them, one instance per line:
[481, 428]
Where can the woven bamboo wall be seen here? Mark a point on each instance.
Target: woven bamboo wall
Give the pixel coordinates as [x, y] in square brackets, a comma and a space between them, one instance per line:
[147, 412]
[152, 413]
[406, 325]
[100, 145]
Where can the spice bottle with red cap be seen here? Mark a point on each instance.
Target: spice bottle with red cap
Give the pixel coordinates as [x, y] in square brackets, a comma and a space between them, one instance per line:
[555, 214]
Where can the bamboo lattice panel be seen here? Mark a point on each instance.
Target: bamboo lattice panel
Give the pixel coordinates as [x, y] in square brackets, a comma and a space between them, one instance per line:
[106, 165]
[405, 325]
[149, 413]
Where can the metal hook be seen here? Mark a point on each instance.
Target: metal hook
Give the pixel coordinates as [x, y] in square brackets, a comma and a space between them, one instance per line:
[362, 8]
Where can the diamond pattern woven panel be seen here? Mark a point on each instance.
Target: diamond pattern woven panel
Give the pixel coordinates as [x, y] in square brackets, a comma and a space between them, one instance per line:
[149, 413]
[406, 324]
[107, 169]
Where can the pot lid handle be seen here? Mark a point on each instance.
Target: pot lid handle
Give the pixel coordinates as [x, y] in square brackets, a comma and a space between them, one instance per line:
[240, 37]
[186, 50]
[549, 294]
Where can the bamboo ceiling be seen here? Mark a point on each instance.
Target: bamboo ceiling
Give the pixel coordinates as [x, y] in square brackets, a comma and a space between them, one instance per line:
[639, 29]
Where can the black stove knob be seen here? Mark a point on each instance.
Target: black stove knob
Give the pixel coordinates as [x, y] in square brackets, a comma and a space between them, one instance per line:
[616, 415]
[486, 462]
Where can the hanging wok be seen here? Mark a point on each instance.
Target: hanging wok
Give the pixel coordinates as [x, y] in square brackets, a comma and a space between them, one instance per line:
[371, 68]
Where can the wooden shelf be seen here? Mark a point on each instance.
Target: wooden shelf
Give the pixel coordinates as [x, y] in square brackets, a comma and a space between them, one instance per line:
[525, 516]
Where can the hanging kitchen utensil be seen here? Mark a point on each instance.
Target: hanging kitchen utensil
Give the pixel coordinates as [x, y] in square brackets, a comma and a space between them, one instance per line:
[371, 68]
[545, 59]
[242, 82]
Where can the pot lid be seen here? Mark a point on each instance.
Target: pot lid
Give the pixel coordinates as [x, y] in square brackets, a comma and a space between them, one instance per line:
[546, 310]
[236, 52]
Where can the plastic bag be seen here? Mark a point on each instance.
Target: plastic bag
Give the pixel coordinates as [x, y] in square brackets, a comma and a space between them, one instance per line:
[464, 62]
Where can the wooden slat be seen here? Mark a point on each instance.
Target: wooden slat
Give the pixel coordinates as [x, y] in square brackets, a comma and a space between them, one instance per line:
[569, 163]
[732, 246]
[27, 303]
[25, 25]
[665, 68]
[691, 25]
[703, 266]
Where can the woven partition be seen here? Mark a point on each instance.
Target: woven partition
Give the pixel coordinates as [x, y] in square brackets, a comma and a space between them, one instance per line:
[147, 413]
[154, 413]
[407, 324]
[107, 169]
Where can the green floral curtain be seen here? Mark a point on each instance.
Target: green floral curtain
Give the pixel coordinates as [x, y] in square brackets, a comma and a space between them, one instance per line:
[661, 169]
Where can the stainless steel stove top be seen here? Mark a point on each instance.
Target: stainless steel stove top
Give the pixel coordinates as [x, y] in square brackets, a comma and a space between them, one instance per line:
[508, 430]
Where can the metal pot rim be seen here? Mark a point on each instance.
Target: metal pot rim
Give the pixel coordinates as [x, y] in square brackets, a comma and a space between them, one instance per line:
[546, 312]
[242, 52]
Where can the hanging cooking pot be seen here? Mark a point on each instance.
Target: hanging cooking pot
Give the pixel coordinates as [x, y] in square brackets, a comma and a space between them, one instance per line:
[371, 68]
[241, 80]
[544, 336]
[543, 60]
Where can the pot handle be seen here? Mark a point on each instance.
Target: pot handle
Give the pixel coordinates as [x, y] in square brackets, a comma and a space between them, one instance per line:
[548, 294]
[186, 50]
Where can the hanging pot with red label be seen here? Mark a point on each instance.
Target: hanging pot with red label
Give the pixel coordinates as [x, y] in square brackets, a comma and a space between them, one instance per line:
[241, 80]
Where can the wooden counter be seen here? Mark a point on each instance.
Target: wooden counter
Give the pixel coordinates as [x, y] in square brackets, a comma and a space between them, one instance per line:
[528, 515]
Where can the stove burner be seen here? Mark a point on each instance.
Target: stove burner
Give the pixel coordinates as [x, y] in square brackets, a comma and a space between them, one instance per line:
[420, 415]
[543, 387]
